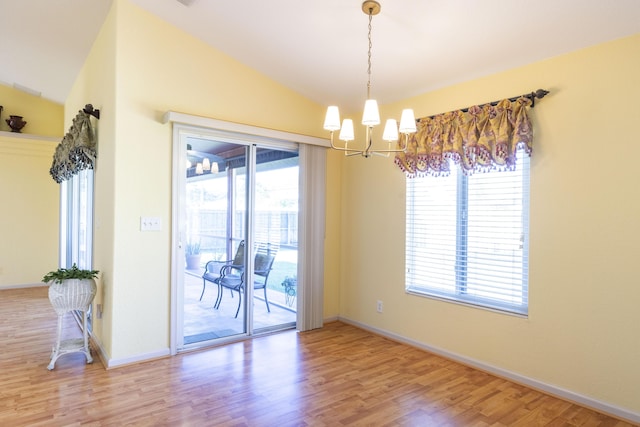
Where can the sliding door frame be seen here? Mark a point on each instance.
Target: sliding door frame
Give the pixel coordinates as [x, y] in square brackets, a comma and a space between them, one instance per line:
[311, 262]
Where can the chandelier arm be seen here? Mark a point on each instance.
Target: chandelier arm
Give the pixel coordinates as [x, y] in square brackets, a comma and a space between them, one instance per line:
[353, 151]
[391, 150]
[394, 150]
[377, 153]
[368, 151]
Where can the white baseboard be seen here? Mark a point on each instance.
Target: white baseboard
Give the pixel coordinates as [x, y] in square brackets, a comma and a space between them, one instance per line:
[559, 392]
[95, 343]
[331, 319]
[115, 363]
[145, 357]
[24, 285]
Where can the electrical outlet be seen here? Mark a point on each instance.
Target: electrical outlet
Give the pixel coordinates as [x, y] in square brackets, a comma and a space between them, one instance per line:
[379, 306]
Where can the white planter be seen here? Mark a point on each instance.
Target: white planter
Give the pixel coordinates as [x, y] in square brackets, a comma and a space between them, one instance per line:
[70, 295]
[193, 262]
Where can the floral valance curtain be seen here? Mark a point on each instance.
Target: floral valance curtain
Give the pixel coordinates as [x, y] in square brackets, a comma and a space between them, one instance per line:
[77, 151]
[481, 139]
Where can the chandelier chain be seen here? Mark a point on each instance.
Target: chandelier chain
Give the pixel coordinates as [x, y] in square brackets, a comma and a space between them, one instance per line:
[369, 58]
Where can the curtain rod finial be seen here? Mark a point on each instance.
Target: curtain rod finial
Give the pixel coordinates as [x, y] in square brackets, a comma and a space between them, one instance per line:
[89, 110]
[541, 93]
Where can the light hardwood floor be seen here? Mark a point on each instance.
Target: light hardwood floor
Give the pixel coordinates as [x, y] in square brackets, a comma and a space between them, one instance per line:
[339, 375]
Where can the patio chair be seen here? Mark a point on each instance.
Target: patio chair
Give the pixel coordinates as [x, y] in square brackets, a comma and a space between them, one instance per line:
[233, 277]
[213, 270]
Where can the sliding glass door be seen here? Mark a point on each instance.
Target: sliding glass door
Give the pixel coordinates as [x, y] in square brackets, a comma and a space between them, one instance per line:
[237, 226]
[275, 219]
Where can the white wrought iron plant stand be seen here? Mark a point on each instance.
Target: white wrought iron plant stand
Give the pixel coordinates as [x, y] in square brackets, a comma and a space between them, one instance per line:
[70, 295]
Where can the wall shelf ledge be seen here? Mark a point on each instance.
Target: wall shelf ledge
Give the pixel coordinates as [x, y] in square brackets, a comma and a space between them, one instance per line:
[5, 134]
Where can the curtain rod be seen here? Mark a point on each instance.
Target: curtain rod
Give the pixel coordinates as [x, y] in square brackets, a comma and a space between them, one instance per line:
[540, 93]
[89, 110]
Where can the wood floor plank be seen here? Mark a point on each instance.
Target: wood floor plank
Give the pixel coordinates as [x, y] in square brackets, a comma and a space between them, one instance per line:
[336, 376]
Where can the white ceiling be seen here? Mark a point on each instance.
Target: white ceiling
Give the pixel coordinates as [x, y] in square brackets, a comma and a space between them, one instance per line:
[319, 48]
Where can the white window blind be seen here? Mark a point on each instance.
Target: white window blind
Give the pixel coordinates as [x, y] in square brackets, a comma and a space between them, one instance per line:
[467, 237]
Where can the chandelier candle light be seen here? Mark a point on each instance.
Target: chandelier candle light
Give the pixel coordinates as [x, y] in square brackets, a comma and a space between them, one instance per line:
[371, 116]
[204, 165]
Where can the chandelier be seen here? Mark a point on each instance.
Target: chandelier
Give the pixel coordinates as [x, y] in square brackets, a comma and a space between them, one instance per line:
[370, 116]
[201, 162]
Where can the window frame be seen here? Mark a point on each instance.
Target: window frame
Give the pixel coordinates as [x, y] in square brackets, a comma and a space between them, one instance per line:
[76, 221]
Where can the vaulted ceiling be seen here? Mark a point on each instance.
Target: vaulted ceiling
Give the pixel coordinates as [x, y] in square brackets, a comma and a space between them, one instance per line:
[319, 49]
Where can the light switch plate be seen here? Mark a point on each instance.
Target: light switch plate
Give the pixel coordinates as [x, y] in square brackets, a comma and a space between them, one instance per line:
[150, 223]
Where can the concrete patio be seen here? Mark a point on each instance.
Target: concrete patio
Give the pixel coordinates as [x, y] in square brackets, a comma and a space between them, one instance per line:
[203, 322]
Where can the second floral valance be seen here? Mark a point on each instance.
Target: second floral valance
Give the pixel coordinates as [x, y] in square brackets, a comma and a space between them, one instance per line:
[76, 151]
[481, 139]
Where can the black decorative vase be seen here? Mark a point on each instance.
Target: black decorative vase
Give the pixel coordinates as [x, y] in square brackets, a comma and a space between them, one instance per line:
[16, 123]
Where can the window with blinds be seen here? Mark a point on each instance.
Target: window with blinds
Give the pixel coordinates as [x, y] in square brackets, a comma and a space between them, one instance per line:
[467, 237]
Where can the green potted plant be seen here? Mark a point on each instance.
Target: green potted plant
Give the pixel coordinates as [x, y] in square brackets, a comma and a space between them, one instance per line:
[290, 284]
[62, 274]
[192, 255]
[71, 289]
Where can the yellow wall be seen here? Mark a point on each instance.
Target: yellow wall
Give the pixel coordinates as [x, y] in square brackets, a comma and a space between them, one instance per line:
[30, 197]
[582, 331]
[96, 85]
[134, 77]
[29, 214]
[43, 117]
